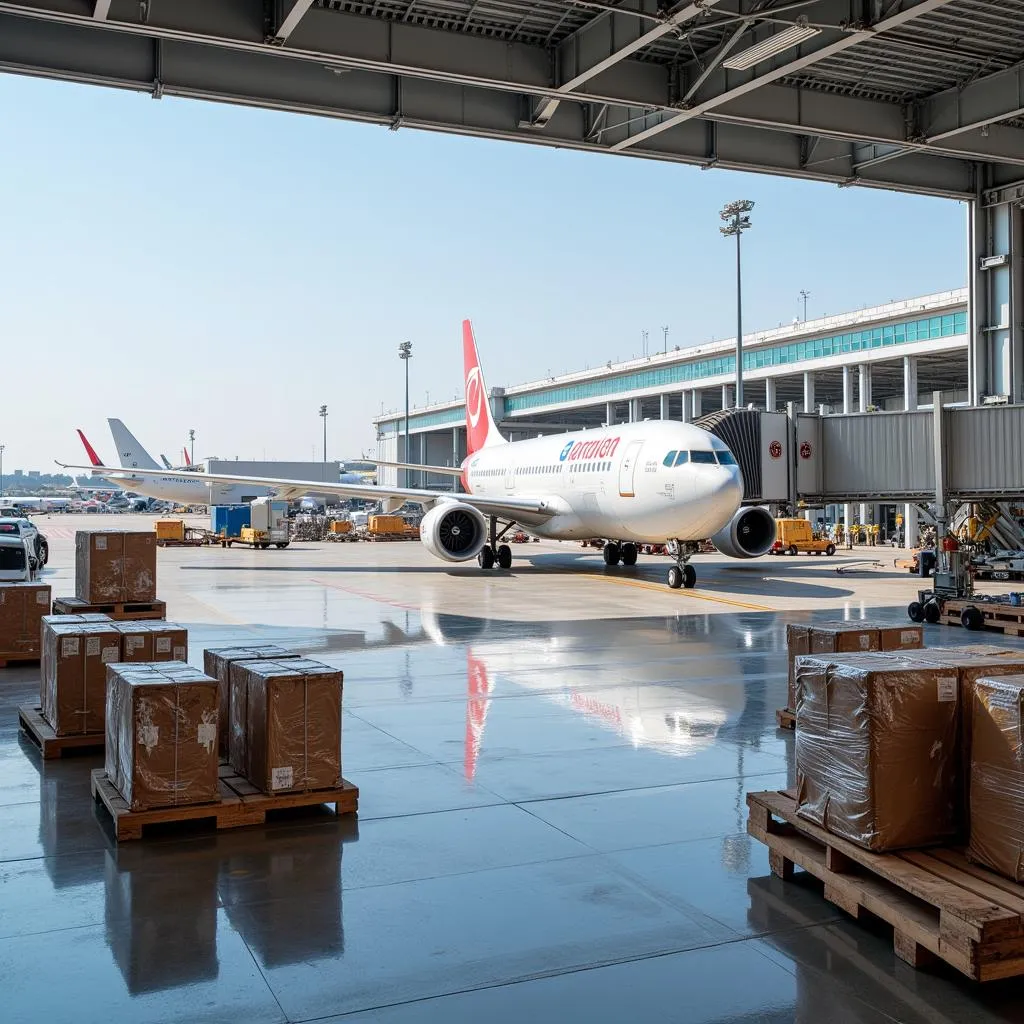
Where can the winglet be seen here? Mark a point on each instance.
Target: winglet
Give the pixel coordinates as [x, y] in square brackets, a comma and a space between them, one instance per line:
[90, 451]
[481, 430]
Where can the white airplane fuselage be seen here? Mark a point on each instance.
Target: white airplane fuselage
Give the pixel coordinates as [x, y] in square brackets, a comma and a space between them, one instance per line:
[616, 481]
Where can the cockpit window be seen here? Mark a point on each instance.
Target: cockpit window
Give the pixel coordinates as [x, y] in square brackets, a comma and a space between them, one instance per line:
[726, 458]
[669, 459]
[682, 458]
[703, 458]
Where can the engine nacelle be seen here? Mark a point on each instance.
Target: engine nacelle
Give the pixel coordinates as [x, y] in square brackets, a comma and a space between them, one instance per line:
[749, 534]
[454, 531]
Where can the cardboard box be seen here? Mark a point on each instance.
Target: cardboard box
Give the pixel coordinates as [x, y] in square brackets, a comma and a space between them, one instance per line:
[74, 673]
[22, 607]
[153, 640]
[115, 566]
[900, 638]
[161, 732]
[877, 753]
[798, 641]
[997, 776]
[286, 724]
[844, 638]
[217, 662]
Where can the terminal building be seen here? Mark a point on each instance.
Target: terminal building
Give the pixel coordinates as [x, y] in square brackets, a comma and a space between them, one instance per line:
[888, 357]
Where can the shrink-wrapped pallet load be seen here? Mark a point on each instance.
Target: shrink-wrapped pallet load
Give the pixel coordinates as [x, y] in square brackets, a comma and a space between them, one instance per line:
[74, 673]
[877, 749]
[997, 776]
[161, 734]
[286, 724]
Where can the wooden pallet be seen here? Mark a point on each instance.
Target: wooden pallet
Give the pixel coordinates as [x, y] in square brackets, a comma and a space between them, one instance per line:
[999, 618]
[41, 733]
[18, 658]
[786, 719]
[240, 804]
[940, 905]
[119, 610]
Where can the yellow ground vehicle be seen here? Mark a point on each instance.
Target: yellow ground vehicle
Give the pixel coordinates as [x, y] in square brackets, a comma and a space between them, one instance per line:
[793, 536]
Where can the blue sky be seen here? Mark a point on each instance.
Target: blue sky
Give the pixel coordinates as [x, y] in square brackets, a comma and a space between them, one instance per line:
[183, 264]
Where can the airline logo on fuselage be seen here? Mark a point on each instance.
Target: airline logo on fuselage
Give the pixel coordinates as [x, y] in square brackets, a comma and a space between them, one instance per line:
[601, 449]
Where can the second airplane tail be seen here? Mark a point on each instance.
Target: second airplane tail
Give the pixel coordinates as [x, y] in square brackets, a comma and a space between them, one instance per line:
[129, 451]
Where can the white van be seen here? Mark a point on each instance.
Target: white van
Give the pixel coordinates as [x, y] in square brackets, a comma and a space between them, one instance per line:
[17, 560]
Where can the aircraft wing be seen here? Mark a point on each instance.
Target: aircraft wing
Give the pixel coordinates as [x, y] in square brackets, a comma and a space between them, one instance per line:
[443, 470]
[538, 509]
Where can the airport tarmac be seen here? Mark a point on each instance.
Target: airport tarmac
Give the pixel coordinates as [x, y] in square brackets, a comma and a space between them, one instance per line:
[552, 764]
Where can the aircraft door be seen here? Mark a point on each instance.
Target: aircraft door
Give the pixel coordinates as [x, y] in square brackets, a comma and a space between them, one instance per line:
[627, 468]
[510, 477]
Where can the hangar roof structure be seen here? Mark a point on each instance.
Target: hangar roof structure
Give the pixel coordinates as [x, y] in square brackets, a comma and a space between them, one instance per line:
[923, 96]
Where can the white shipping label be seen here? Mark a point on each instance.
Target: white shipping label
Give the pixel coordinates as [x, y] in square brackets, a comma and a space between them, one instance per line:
[101, 543]
[42, 597]
[947, 688]
[110, 654]
[163, 645]
[865, 643]
[180, 654]
[149, 736]
[92, 647]
[282, 778]
[908, 636]
[134, 643]
[208, 736]
[69, 647]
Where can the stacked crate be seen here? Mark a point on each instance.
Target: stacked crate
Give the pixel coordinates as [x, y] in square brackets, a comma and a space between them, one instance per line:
[22, 607]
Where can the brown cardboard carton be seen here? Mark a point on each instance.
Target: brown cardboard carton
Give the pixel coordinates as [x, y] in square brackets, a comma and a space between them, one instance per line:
[170, 641]
[798, 641]
[161, 734]
[997, 775]
[876, 749]
[136, 641]
[844, 637]
[115, 566]
[286, 724]
[217, 662]
[22, 607]
[74, 673]
[900, 638]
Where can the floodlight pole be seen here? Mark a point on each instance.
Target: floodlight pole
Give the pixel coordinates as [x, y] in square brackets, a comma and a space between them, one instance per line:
[737, 221]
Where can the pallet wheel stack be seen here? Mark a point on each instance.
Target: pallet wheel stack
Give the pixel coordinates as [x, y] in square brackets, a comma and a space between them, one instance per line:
[909, 799]
[164, 725]
[115, 575]
[76, 653]
[22, 607]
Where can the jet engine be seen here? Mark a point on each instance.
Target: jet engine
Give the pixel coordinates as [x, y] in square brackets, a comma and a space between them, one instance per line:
[454, 531]
[750, 533]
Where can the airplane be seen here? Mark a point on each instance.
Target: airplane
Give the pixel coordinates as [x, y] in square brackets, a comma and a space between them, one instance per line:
[187, 465]
[655, 482]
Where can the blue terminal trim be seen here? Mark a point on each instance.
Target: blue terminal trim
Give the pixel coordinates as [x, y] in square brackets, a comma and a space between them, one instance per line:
[451, 417]
[946, 326]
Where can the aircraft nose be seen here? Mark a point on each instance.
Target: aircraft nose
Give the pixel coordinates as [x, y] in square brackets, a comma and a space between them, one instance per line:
[731, 486]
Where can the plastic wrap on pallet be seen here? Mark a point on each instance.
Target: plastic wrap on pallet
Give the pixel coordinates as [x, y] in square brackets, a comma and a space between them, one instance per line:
[876, 749]
[286, 725]
[217, 662]
[798, 641]
[74, 673]
[115, 566]
[22, 607]
[161, 734]
[997, 776]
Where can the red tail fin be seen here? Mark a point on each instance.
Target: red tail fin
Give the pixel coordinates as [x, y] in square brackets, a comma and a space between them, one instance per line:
[481, 431]
[188, 461]
[90, 451]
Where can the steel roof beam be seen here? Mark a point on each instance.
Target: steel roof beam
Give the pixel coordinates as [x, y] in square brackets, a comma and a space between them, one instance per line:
[574, 52]
[101, 9]
[978, 104]
[290, 22]
[812, 54]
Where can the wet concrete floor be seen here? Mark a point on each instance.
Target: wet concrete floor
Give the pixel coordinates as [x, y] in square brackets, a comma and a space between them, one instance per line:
[551, 826]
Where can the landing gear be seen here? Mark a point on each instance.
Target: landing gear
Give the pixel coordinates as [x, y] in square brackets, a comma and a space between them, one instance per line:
[629, 553]
[612, 553]
[682, 574]
[493, 553]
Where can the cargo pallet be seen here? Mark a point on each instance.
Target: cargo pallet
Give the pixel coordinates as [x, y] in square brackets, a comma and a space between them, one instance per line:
[240, 804]
[119, 610]
[18, 658]
[996, 616]
[50, 745]
[940, 905]
[785, 718]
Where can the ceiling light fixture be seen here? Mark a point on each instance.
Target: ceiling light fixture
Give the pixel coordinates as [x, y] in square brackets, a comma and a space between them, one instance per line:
[775, 44]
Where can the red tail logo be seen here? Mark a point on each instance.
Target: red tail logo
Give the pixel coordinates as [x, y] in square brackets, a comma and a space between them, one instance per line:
[188, 461]
[480, 428]
[89, 450]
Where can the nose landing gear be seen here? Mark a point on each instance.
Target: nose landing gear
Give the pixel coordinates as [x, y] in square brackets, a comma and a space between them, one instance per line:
[682, 574]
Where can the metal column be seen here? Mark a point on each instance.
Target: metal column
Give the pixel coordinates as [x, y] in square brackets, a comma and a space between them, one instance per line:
[863, 401]
[726, 396]
[664, 407]
[909, 403]
[687, 410]
[808, 391]
[696, 404]
[769, 394]
[847, 409]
